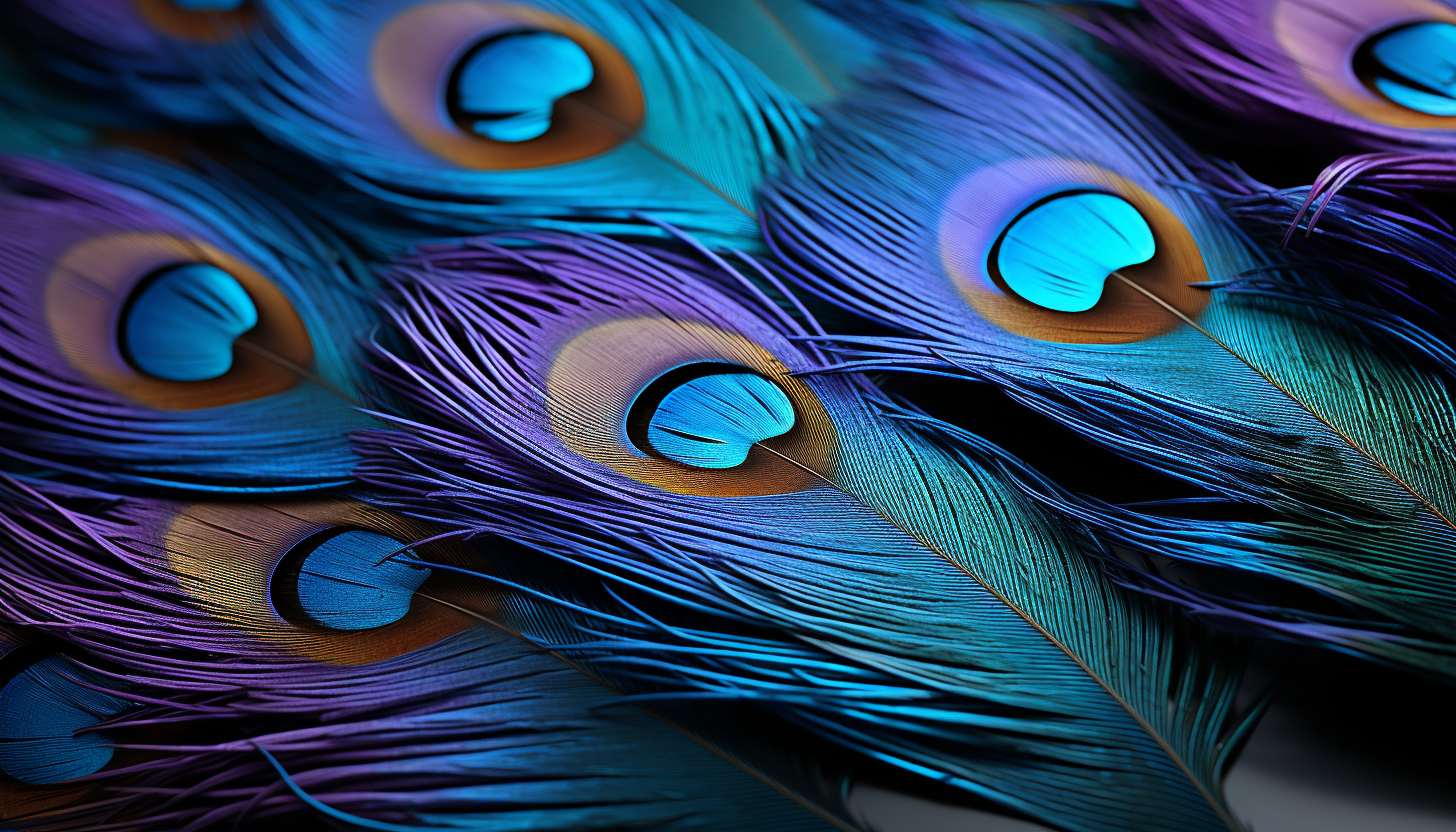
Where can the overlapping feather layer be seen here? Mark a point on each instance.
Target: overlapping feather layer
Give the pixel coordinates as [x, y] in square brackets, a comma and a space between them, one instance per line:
[985, 645]
[1253, 384]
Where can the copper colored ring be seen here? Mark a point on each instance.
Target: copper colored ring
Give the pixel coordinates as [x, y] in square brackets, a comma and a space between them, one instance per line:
[86, 294]
[224, 555]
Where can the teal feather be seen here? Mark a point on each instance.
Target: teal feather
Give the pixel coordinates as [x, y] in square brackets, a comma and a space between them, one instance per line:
[107, 368]
[711, 125]
[971, 638]
[799, 44]
[1252, 383]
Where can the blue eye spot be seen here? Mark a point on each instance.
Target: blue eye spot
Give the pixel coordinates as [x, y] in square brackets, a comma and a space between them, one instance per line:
[506, 88]
[1415, 66]
[343, 585]
[712, 421]
[40, 709]
[1059, 254]
[182, 324]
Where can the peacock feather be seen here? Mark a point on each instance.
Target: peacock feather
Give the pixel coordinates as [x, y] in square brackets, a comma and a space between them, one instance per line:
[142, 692]
[1367, 78]
[605, 390]
[160, 328]
[1203, 359]
[435, 441]
[470, 116]
[1372, 74]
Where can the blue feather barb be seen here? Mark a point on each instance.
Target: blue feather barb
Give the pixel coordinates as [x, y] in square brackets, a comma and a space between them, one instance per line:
[589, 523]
[1265, 391]
[562, 114]
[957, 632]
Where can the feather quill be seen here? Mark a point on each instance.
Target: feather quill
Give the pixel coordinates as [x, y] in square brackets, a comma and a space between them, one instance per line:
[959, 633]
[216, 720]
[672, 125]
[78, 249]
[1257, 386]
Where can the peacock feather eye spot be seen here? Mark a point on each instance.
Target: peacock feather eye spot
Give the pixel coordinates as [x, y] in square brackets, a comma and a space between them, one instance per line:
[1059, 252]
[1413, 66]
[181, 322]
[346, 580]
[708, 415]
[506, 87]
[42, 709]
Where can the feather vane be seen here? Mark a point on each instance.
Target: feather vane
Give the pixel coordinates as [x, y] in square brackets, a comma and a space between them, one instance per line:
[935, 573]
[1257, 395]
[79, 248]
[674, 126]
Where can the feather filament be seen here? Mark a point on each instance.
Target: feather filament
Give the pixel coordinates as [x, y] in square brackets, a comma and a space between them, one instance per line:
[1363, 222]
[885, 575]
[1259, 396]
[804, 49]
[711, 128]
[1328, 77]
[478, 730]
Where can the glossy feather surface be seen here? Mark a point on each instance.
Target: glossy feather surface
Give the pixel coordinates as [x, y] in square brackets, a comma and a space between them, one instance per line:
[1246, 389]
[930, 587]
[489, 415]
[674, 127]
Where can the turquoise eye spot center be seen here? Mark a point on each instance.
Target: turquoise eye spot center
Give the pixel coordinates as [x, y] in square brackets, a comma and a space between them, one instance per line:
[1059, 254]
[182, 323]
[343, 584]
[209, 5]
[505, 90]
[713, 421]
[41, 708]
[1415, 67]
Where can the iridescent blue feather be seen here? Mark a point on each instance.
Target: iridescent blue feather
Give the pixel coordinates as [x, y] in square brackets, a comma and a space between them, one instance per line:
[368, 89]
[82, 250]
[1257, 384]
[957, 632]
